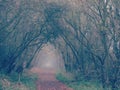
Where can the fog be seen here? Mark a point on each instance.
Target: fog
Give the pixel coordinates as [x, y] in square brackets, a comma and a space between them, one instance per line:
[49, 58]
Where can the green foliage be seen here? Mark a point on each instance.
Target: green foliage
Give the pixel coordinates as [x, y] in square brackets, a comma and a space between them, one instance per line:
[10, 82]
[29, 81]
[80, 85]
[61, 78]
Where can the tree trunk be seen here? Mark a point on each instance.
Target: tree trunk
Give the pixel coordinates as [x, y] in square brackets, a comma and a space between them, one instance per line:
[103, 77]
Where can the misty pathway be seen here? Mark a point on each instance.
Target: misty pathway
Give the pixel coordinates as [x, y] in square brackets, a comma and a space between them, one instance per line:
[47, 80]
[48, 62]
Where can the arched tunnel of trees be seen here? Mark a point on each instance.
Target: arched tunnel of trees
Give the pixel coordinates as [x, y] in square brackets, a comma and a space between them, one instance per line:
[86, 33]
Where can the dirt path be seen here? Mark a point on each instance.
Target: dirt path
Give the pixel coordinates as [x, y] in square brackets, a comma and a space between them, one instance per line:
[47, 81]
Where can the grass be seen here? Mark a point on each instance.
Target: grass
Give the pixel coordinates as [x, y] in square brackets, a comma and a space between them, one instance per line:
[80, 85]
[85, 86]
[10, 82]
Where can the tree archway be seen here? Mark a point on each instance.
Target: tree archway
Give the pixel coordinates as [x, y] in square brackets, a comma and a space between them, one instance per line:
[48, 58]
[86, 35]
[29, 28]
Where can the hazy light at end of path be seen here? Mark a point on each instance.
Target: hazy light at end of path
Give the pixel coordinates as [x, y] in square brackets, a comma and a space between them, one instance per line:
[48, 58]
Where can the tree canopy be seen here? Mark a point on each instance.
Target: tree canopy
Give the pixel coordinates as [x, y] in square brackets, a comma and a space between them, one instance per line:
[86, 33]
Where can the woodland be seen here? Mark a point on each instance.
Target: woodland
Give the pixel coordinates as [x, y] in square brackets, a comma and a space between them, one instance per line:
[85, 32]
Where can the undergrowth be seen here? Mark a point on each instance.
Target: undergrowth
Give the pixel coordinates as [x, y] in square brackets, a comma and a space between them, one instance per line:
[10, 82]
[81, 84]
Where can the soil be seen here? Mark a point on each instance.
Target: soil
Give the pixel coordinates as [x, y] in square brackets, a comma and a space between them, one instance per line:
[47, 80]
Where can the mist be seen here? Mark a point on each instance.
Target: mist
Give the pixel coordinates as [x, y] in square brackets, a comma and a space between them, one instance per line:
[49, 58]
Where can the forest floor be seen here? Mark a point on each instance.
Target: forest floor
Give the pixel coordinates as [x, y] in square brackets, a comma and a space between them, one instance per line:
[47, 80]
